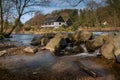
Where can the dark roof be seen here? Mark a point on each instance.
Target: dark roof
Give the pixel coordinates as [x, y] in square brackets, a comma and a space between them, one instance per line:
[54, 19]
[69, 22]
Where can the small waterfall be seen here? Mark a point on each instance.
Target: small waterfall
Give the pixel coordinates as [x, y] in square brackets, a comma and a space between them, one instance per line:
[84, 47]
[97, 52]
[86, 53]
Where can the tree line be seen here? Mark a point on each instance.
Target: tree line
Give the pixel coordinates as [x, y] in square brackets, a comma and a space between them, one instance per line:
[105, 13]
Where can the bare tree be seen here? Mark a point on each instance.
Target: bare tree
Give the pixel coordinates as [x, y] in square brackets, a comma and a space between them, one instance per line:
[74, 3]
[17, 9]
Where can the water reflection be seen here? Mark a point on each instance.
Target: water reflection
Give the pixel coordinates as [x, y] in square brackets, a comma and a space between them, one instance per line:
[22, 39]
[40, 59]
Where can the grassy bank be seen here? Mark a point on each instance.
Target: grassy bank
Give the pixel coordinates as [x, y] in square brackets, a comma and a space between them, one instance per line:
[48, 30]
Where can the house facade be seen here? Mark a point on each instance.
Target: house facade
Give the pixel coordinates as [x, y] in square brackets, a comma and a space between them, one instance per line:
[54, 22]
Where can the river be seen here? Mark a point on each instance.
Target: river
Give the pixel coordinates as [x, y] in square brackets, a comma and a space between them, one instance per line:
[25, 39]
[46, 66]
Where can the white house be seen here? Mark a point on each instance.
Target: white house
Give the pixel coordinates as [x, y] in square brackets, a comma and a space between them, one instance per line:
[54, 22]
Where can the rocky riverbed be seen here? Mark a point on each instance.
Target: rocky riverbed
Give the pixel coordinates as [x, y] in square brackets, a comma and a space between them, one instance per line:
[18, 64]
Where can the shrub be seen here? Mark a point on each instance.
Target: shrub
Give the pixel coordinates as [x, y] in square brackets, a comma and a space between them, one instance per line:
[28, 28]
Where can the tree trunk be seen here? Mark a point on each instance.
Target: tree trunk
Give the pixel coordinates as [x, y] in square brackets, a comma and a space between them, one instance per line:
[1, 17]
[16, 24]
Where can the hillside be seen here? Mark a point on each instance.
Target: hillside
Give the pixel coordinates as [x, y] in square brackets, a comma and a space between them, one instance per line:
[38, 18]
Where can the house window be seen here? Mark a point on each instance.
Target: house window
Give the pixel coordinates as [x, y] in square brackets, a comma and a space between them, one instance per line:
[59, 23]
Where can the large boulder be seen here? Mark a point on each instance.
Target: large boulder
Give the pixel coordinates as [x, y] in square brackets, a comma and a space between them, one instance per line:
[82, 36]
[57, 43]
[110, 49]
[67, 36]
[107, 50]
[97, 42]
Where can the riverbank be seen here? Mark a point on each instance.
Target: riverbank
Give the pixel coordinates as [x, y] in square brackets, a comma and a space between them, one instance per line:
[108, 29]
[43, 31]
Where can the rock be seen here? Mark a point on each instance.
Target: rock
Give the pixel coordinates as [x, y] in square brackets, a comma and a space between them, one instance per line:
[117, 54]
[1, 37]
[78, 49]
[82, 36]
[92, 45]
[108, 50]
[42, 48]
[36, 40]
[85, 35]
[57, 43]
[96, 43]
[71, 50]
[34, 73]
[2, 53]
[67, 36]
[31, 50]
[116, 42]
[49, 35]
[41, 41]
[44, 41]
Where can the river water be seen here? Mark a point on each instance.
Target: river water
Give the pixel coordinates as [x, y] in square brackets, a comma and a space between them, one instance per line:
[22, 39]
[25, 39]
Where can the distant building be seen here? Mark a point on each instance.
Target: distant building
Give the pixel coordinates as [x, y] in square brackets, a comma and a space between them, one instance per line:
[68, 22]
[54, 22]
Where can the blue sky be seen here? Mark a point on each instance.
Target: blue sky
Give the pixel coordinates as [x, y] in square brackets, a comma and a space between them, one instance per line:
[55, 5]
